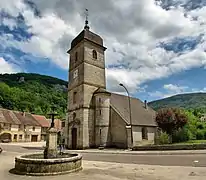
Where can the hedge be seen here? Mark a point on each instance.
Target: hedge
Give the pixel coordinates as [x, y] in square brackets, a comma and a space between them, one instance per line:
[170, 147]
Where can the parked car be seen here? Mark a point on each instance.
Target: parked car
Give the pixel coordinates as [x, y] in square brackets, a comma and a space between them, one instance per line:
[5, 140]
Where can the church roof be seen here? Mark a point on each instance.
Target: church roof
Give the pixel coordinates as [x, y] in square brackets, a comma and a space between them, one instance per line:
[140, 114]
[88, 35]
[101, 90]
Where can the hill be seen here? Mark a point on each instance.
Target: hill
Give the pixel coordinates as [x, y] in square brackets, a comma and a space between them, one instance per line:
[187, 101]
[33, 93]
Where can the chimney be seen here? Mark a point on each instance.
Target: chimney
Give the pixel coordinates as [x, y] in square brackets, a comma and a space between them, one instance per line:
[145, 104]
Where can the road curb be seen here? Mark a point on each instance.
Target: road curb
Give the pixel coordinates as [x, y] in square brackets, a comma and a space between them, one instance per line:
[139, 153]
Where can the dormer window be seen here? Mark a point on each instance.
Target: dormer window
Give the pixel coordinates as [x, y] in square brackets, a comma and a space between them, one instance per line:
[76, 56]
[94, 54]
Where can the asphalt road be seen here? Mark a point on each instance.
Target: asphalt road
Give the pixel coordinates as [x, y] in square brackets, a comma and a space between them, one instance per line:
[198, 160]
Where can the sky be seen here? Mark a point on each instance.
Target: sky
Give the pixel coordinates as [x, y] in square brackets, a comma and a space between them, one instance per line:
[156, 48]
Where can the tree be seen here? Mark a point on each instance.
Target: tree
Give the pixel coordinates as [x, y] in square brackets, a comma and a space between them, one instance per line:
[171, 119]
[35, 94]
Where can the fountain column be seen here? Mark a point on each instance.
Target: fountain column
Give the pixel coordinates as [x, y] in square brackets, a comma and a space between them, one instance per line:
[51, 140]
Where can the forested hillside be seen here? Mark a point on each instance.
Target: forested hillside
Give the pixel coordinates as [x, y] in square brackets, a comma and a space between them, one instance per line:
[187, 101]
[33, 93]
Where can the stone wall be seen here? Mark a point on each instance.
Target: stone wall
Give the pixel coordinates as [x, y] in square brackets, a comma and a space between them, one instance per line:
[32, 165]
[137, 135]
[118, 130]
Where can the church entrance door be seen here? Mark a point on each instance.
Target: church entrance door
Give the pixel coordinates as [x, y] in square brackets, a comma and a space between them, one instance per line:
[74, 138]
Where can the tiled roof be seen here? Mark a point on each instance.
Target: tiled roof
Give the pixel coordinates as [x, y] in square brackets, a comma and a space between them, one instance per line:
[140, 114]
[57, 124]
[8, 116]
[41, 120]
[16, 117]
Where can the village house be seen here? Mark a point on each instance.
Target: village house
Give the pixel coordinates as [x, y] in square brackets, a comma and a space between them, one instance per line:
[18, 126]
[44, 123]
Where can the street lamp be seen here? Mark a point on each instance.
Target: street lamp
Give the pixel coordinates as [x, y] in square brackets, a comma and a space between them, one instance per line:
[130, 112]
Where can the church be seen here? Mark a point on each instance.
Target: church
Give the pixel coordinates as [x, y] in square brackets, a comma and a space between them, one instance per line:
[95, 116]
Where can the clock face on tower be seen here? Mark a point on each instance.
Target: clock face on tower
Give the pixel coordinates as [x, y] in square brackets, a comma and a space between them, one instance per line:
[75, 74]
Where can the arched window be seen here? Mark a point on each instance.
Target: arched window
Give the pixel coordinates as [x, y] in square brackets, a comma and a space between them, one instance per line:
[144, 133]
[76, 56]
[94, 54]
[74, 116]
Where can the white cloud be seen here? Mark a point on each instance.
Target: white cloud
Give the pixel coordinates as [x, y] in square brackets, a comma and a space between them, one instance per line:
[6, 67]
[11, 23]
[132, 32]
[173, 89]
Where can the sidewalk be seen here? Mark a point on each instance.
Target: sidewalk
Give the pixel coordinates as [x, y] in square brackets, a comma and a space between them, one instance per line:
[112, 151]
[26, 144]
[117, 151]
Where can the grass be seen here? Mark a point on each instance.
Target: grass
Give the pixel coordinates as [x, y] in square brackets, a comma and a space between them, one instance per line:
[193, 142]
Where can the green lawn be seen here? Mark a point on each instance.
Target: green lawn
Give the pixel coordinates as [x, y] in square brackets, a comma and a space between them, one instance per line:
[193, 142]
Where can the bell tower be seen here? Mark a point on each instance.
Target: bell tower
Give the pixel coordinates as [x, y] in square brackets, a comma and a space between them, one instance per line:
[86, 75]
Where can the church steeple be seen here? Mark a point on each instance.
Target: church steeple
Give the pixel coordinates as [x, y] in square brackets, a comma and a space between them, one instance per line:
[87, 35]
[86, 27]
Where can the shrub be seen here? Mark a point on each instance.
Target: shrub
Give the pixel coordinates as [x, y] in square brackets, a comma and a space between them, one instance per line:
[200, 125]
[200, 135]
[164, 138]
[181, 135]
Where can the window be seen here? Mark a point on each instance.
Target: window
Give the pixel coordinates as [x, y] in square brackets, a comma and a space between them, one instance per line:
[75, 73]
[15, 137]
[20, 136]
[76, 56]
[74, 116]
[33, 128]
[144, 133]
[100, 112]
[99, 100]
[74, 97]
[63, 124]
[94, 54]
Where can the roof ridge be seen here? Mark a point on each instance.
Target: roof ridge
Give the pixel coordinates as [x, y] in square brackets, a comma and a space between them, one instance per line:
[131, 97]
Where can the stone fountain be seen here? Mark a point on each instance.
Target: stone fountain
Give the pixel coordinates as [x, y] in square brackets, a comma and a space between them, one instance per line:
[51, 162]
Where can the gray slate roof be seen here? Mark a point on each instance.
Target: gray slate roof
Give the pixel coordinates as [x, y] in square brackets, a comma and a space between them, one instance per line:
[87, 35]
[140, 115]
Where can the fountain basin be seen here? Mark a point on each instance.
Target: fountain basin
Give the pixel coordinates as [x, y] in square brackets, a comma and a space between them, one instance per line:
[36, 165]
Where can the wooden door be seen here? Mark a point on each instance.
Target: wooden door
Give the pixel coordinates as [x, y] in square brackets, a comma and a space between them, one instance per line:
[74, 138]
[34, 138]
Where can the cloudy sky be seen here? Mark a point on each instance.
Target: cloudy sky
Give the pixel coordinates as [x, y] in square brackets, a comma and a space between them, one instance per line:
[157, 48]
